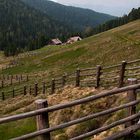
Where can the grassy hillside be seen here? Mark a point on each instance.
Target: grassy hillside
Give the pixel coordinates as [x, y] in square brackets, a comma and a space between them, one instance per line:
[111, 47]
[107, 48]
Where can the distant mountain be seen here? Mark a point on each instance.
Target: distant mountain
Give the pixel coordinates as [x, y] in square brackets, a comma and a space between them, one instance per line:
[74, 17]
[24, 27]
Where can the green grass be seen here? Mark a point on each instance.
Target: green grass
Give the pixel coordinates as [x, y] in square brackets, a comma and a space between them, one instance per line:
[18, 128]
[111, 47]
[107, 48]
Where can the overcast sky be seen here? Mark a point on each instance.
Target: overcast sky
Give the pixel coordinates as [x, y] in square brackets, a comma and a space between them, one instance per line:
[114, 7]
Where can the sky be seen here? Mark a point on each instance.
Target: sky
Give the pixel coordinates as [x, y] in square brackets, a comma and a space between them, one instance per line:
[113, 7]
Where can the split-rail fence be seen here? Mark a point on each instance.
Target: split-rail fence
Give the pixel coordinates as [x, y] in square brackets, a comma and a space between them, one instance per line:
[130, 122]
[100, 76]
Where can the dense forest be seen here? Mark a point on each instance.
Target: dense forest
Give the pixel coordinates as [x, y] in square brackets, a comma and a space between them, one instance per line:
[77, 18]
[24, 28]
[30, 24]
[133, 15]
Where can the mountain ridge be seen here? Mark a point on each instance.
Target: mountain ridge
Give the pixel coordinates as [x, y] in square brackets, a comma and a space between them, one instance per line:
[25, 27]
[79, 17]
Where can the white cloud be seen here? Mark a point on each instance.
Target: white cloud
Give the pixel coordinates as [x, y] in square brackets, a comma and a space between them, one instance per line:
[115, 7]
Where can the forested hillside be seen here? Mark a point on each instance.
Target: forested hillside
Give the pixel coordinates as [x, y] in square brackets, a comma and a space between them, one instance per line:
[133, 15]
[106, 48]
[22, 27]
[77, 18]
[30, 24]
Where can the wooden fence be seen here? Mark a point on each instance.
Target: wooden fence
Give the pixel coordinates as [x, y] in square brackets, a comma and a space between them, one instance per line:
[15, 59]
[42, 115]
[8, 80]
[32, 90]
[8, 67]
[100, 76]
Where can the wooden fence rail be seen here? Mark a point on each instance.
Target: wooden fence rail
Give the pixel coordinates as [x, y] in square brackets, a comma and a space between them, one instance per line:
[100, 76]
[43, 125]
[124, 133]
[15, 60]
[8, 80]
[27, 89]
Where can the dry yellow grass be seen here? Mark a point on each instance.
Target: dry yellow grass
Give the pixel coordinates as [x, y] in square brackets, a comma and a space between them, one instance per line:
[69, 93]
[105, 49]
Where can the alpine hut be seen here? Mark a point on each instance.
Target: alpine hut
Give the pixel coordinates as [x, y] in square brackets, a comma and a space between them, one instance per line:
[73, 39]
[56, 42]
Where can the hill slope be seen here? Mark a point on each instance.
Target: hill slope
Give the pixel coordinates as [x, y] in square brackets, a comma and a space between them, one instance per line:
[77, 18]
[111, 47]
[107, 48]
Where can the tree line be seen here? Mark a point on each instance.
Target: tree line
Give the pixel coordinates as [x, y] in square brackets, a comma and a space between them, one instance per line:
[133, 15]
[23, 28]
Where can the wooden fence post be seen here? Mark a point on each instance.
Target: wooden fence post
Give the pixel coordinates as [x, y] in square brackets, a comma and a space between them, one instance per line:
[21, 77]
[25, 90]
[98, 74]
[53, 86]
[27, 78]
[43, 119]
[44, 88]
[64, 80]
[3, 77]
[122, 74]
[7, 77]
[78, 77]
[2, 84]
[13, 92]
[131, 96]
[3, 96]
[36, 89]
[30, 90]
[16, 77]
[11, 80]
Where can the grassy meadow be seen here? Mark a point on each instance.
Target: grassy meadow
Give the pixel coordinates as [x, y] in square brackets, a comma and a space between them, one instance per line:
[107, 48]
